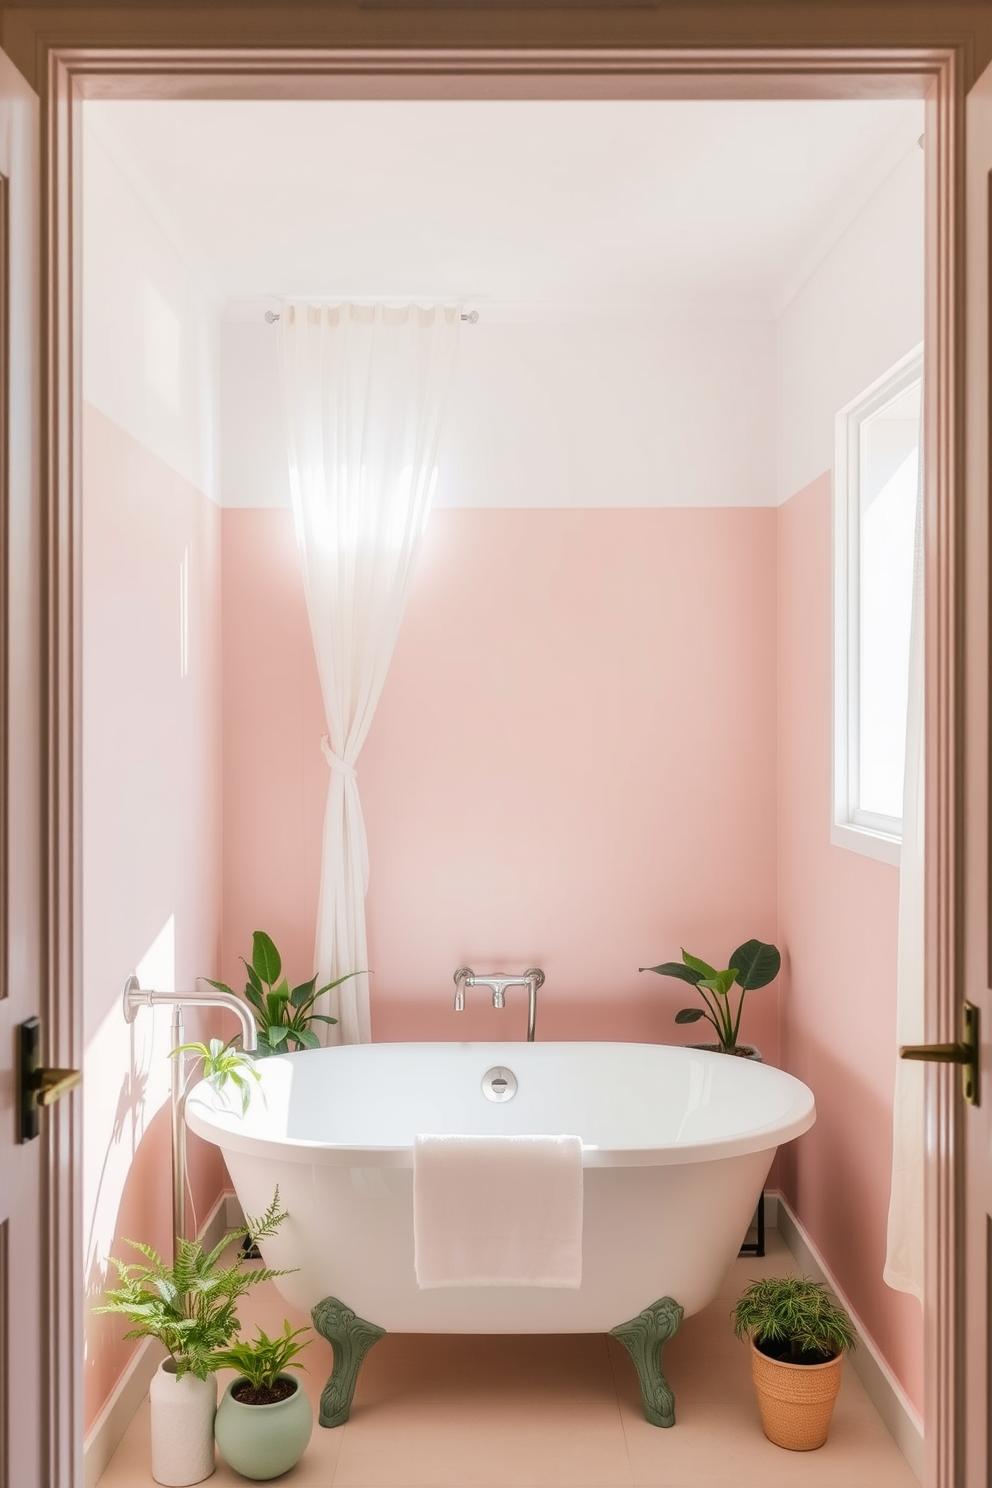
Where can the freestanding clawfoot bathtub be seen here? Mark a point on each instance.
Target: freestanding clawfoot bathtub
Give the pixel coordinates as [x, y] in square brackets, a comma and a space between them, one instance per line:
[676, 1144]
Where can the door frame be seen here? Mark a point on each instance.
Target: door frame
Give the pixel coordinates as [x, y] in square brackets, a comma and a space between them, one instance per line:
[69, 74]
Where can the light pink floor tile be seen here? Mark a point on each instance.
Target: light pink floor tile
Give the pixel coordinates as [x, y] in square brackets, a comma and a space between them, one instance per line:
[558, 1412]
[485, 1411]
[723, 1427]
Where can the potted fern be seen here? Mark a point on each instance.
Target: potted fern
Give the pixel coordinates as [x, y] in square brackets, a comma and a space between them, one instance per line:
[754, 964]
[191, 1308]
[799, 1336]
[284, 1015]
[264, 1420]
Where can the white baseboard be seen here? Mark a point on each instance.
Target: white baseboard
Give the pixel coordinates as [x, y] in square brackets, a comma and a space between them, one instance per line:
[883, 1389]
[103, 1437]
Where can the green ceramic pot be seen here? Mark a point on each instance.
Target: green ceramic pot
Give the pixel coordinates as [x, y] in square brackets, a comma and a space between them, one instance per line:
[263, 1441]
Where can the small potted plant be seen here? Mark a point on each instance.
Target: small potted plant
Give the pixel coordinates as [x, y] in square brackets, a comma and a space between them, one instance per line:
[223, 1066]
[191, 1308]
[264, 1420]
[754, 964]
[284, 1015]
[799, 1336]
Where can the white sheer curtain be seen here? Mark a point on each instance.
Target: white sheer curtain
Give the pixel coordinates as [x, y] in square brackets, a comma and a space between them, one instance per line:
[904, 1241]
[364, 389]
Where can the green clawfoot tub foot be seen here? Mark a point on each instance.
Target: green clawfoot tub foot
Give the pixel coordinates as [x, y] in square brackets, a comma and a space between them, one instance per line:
[351, 1338]
[644, 1337]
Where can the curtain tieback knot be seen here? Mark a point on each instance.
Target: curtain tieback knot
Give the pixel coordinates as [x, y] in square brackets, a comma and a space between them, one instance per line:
[335, 761]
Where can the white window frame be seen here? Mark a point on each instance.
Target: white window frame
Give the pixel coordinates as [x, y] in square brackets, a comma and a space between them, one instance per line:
[859, 831]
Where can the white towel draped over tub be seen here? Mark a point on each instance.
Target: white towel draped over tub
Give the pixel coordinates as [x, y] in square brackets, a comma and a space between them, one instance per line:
[497, 1211]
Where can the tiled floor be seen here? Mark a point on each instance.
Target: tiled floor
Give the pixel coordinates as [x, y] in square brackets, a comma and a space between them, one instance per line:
[559, 1412]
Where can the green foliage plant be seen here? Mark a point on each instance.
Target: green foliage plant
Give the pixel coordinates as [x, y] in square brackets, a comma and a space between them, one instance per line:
[754, 964]
[283, 1014]
[190, 1306]
[261, 1362]
[794, 1320]
[223, 1064]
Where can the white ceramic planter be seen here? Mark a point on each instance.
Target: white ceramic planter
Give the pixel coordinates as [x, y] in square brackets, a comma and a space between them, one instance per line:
[183, 1413]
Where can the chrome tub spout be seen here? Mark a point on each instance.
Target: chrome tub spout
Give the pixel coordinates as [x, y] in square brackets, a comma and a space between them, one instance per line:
[532, 979]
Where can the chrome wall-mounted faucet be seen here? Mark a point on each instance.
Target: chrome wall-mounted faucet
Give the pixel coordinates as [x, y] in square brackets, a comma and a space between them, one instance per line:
[531, 979]
[135, 997]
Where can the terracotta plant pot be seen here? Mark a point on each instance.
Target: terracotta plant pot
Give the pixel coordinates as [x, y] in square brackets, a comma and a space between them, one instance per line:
[796, 1401]
[264, 1441]
[182, 1426]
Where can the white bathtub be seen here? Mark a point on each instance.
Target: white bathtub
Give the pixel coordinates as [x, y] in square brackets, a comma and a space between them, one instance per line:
[676, 1147]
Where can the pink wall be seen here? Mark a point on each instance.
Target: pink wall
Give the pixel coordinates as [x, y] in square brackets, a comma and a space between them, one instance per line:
[837, 920]
[597, 742]
[151, 839]
[572, 765]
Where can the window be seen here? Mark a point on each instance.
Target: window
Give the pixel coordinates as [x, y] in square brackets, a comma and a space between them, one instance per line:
[876, 477]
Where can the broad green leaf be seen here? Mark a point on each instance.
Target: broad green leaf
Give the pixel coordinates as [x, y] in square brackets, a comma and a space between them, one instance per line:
[275, 1006]
[757, 964]
[265, 958]
[255, 998]
[307, 1039]
[282, 990]
[276, 1034]
[254, 980]
[720, 981]
[689, 1015]
[703, 967]
[675, 969]
[221, 986]
[321, 1018]
[338, 980]
[304, 993]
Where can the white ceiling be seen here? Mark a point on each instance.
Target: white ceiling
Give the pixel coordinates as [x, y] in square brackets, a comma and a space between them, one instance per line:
[720, 206]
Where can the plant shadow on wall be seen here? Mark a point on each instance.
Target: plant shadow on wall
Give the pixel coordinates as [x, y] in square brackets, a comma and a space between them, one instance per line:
[284, 1015]
[132, 1101]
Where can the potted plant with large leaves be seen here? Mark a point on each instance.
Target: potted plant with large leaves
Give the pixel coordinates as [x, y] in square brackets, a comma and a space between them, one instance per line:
[264, 1419]
[284, 1015]
[191, 1308]
[754, 964]
[799, 1336]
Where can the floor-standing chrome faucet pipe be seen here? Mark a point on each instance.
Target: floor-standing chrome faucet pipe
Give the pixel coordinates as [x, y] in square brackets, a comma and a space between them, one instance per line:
[135, 997]
[531, 979]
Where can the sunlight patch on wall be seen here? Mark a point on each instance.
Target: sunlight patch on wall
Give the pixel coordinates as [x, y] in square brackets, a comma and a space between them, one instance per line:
[119, 1107]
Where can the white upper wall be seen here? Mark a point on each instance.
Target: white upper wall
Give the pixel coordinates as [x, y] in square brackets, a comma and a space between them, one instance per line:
[554, 405]
[859, 312]
[555, 412]
[149, 326]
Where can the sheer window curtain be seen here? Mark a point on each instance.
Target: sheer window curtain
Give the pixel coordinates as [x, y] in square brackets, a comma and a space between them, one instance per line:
[904, 1241]
[364, 392]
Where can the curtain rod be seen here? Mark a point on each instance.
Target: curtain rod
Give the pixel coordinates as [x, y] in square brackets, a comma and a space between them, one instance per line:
[473, 315]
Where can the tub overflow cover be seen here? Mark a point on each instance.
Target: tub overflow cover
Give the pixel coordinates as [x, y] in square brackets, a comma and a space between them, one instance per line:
[499, 1084]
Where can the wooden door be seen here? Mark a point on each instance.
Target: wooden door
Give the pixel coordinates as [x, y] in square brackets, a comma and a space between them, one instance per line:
[23, 1353]
[975, 1291]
